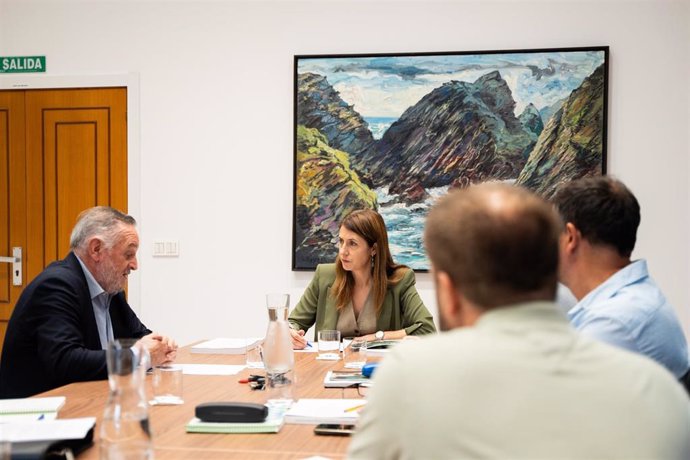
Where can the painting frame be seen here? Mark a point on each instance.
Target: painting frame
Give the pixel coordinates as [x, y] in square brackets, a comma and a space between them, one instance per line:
[475, 111]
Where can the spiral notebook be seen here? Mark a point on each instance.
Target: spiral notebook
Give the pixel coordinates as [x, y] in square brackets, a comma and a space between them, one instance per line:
[273, 423]
[28, 409]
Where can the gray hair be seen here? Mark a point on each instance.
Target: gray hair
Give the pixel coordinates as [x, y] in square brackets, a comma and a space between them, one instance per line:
[102, 222]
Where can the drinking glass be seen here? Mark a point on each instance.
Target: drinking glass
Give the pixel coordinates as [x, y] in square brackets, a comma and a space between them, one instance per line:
[329, 344]
[167, 385]
[355, 354]
[253, 354]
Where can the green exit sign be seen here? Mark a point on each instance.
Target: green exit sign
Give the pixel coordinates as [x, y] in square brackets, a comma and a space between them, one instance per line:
[22, 64]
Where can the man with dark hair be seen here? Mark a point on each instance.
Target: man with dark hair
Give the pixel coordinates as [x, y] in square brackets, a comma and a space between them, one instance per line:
[509, 377]
[618, 302]
[65, 317]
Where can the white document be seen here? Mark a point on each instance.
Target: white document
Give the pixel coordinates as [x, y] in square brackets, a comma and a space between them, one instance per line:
[14, 418]
[226, 346]
[310, 348]
[313, 347]
[315, 411]
[212, 369]
[31, 405]
[47, 430]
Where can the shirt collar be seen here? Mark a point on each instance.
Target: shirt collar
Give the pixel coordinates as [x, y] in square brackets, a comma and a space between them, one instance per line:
[630, 274]
[512, 316]
[95, 289]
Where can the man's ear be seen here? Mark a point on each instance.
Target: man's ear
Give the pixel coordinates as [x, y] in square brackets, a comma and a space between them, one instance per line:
[95, 249]
[573, 238]
[449, 304]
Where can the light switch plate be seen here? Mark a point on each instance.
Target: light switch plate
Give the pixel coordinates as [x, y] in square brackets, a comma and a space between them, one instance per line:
[166, 248]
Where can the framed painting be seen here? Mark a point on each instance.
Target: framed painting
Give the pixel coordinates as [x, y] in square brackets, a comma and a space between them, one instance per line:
[394, 132]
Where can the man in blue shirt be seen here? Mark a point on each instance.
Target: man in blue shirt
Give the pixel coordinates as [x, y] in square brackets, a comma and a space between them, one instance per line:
[618, 302]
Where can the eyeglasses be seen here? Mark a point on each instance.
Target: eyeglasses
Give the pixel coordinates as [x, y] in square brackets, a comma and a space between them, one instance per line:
[362, 389]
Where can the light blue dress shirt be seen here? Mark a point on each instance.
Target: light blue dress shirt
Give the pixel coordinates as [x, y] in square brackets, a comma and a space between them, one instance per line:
[628, 310]
[101, 307]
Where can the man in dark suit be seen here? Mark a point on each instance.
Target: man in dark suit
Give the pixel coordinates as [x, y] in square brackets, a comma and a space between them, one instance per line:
[66, 316]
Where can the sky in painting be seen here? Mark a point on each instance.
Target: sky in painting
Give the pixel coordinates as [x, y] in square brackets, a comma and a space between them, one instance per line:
[386, 86]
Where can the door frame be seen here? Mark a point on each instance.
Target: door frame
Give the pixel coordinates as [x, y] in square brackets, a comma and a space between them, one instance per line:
[131, 82]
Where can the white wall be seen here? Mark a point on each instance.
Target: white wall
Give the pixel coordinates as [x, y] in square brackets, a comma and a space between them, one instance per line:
[212, 166]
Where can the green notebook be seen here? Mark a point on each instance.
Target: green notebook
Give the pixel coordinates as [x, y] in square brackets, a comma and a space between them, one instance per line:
[272, 424]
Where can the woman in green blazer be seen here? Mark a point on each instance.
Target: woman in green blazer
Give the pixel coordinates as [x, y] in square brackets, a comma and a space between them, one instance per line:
[364, 293]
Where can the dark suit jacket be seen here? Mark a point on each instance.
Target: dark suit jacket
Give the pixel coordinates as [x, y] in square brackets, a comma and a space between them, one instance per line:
[52, 338]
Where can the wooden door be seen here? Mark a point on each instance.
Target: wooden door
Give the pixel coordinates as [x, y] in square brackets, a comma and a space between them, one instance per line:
[12, 196]
[75, 157]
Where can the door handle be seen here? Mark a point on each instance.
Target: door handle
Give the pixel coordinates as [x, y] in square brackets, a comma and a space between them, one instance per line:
[16, 261]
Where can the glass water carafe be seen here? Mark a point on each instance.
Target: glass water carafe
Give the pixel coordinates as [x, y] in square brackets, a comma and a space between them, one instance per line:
[278, 357]
[125, 432]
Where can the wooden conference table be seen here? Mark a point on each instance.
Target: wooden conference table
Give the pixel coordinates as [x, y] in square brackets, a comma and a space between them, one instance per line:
[171, 441]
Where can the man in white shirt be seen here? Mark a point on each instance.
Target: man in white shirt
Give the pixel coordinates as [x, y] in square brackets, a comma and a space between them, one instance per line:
[509, 377]
[618, 302]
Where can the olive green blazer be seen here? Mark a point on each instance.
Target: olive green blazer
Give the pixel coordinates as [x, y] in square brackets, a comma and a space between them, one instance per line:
[402, 307]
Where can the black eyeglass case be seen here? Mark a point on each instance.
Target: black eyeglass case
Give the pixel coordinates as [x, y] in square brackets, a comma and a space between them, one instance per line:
[231, 412]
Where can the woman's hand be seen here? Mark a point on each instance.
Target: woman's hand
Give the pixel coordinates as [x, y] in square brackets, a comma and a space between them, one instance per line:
[298, 340]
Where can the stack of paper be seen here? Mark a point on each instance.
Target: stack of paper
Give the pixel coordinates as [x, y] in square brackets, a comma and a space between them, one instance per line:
[30, 409]
[315, 411]
[272, 424]
[343, 379]
[226, 346]
[51, 430]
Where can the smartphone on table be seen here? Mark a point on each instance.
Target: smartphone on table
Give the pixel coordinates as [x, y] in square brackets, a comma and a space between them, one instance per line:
[329, 429]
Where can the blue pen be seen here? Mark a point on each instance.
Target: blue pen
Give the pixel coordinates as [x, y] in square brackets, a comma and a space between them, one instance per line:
[310, 345]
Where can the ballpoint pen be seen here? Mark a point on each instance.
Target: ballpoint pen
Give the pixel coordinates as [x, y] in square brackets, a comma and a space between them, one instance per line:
[352, 409]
